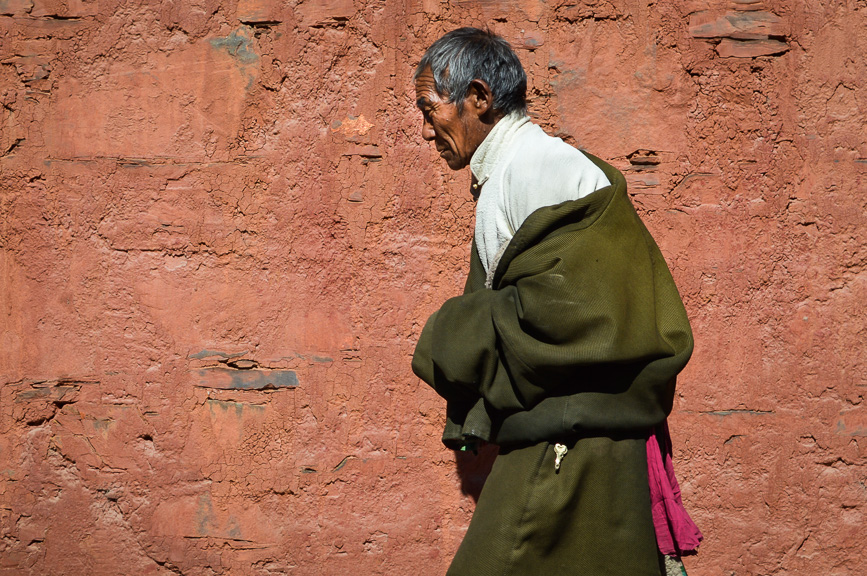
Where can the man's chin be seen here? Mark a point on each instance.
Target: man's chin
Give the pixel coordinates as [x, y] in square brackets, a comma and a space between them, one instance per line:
[455, 163]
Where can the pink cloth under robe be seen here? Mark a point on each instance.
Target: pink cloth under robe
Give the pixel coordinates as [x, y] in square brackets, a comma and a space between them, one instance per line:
[676, 533]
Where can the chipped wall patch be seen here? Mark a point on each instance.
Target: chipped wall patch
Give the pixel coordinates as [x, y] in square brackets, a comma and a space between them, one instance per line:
[352, 126]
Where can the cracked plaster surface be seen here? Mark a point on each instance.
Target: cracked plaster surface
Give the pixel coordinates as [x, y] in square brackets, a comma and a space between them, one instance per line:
[200, 194]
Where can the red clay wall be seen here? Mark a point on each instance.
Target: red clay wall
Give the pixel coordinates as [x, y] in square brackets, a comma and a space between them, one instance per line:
[222, 233]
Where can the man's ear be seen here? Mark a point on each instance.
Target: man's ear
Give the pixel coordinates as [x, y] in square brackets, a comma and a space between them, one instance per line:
[480, 98]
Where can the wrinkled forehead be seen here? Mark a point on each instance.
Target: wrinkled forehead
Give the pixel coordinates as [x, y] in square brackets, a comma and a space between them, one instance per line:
[425, 83]
[425, 88]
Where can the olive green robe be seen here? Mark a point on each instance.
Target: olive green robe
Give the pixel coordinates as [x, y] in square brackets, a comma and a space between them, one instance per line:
[578, 342]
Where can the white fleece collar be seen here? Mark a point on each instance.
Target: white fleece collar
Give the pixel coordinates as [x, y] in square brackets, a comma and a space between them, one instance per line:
[494, 146]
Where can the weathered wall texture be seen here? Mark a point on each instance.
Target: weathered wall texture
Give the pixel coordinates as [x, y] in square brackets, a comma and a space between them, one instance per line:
[222, 232]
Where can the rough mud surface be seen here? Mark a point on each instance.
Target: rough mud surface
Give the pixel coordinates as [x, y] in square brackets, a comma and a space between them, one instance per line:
[221, 234]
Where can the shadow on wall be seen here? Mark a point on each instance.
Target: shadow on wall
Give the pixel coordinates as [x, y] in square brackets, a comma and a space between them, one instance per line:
[474, 468]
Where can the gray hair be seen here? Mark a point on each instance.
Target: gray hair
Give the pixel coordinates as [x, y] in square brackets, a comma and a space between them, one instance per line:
[468, 54]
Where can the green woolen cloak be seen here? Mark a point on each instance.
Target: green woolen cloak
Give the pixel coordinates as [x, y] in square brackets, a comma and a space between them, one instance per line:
[579, 341]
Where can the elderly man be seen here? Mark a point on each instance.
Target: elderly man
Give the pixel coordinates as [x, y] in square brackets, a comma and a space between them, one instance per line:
[564, 347]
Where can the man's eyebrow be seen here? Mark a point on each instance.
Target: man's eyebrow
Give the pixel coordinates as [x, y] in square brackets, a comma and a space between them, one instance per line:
[422, 102]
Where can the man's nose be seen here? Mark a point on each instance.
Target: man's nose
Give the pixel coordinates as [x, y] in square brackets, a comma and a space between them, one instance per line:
[427, 131]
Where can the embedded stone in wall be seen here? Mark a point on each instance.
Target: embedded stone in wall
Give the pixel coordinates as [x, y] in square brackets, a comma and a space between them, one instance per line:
[62, 8]
[739, 25]
[15, 7]
[729, 47]
[747, 4]
[369, 152]
[259, 12]
[40, 401]
[326, 13]
[228, 379]
[742, 33]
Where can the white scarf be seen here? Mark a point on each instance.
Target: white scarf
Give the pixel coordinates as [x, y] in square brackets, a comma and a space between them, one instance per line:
[521, 169]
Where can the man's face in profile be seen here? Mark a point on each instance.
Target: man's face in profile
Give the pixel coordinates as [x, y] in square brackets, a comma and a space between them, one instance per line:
[450, 129]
